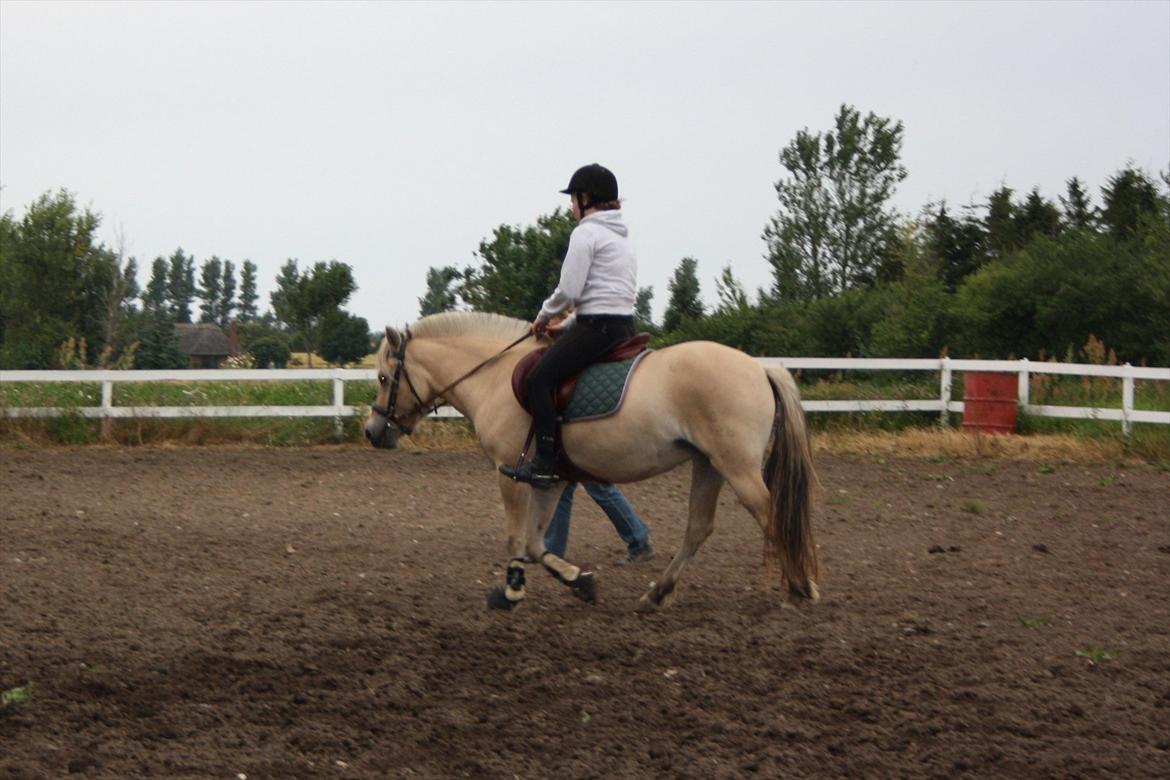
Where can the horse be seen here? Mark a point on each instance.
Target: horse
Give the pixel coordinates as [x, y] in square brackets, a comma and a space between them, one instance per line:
[695, 401]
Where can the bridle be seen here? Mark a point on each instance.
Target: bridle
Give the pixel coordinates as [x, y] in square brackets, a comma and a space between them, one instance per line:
[401, 373]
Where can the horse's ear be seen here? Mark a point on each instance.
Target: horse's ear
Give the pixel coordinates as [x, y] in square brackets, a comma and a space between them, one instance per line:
[393, 338]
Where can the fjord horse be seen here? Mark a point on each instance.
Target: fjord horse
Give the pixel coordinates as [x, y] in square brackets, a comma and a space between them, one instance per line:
[697, 401]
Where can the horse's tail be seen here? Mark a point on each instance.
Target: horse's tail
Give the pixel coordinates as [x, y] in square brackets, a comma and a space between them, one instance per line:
[792, 481]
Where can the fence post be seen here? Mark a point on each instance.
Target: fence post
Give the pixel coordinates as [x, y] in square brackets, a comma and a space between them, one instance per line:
[1024, 388]
[107, 405]
[1127, 401]
[338, 402]
[945, 391]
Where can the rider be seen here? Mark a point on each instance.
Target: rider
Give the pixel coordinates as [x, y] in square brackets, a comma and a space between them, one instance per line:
[599, 280]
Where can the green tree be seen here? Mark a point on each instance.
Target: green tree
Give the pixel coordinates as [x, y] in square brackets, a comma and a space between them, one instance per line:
[47, 259]
[956, 247]
[835, 227]
[915, 311]
[157, 340]
[732, 296]
[440, 295]
[1047, 298]
[227, 296]
[248, 296]
[1001, 223]
[1129, 197]
[684, 300]
[344, 338]
[210, 289]
[1037, 217]
[1079, 213]
[180, 285]
[270, 352]
[305, 301]
[519, 267]
[154, 297]
[643, 312]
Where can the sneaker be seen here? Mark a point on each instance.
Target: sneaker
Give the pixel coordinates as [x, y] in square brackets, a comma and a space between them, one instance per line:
[532, 473]
[638, 556]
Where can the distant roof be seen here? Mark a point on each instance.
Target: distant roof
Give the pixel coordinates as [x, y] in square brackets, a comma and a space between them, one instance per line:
[203, 338]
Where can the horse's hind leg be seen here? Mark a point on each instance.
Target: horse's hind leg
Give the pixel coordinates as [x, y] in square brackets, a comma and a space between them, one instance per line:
[752, 491]
[706, 482]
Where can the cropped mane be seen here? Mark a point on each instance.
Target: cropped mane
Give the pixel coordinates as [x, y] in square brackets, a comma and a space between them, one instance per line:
[469, 323]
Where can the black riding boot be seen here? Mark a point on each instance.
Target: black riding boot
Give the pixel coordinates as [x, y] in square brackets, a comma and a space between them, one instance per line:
[541, 471]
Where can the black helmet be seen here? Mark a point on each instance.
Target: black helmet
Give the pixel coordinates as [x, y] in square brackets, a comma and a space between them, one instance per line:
[596, 181]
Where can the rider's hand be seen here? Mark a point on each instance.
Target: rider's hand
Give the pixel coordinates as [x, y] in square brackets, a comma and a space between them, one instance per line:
[539, 327]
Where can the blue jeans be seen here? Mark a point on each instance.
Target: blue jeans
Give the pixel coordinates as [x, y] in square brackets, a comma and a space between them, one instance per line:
[625, 520]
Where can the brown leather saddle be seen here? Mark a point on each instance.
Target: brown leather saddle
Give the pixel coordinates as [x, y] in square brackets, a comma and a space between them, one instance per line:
[627, 349]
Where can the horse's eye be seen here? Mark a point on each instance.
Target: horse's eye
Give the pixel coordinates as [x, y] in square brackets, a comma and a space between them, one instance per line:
[382, 378]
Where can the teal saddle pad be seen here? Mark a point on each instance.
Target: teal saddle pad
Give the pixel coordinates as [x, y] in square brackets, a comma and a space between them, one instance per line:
[600, 390]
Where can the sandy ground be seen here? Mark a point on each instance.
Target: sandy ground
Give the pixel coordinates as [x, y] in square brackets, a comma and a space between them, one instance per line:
[218, 612]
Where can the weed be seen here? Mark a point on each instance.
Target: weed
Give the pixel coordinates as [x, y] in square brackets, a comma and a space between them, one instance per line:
[1034, 622]
[15, 696]
[1096, 655]
[974, 506]
[1047, 468]
[1109, 479]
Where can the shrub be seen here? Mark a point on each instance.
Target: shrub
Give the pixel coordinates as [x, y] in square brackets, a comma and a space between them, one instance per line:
[270, 352]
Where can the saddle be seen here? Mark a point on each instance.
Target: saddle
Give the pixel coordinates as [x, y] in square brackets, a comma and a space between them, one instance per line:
[626, 350]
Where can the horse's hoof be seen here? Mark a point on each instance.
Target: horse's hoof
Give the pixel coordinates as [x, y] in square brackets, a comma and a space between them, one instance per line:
[650, 601]
[810, 592]
[497, 600]
[585, 587]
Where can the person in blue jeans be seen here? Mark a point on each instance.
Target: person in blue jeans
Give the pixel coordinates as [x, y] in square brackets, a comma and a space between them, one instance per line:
[625, 521]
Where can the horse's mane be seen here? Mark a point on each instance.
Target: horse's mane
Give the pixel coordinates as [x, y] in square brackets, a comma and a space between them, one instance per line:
[469, 323]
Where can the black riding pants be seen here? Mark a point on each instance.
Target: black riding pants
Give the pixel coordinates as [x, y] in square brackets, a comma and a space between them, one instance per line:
[581, 345]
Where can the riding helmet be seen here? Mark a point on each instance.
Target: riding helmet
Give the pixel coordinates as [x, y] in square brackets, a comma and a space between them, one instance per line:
[596, 181]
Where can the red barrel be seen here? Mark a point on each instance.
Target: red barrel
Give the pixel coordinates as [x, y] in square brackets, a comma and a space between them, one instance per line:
[990, 403]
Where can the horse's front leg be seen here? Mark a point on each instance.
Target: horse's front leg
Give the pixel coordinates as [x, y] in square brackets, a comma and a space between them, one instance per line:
[527, 514]
[541, 506]
[516, 519]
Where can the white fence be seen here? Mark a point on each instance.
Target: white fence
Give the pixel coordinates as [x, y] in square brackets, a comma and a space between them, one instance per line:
[943, 404]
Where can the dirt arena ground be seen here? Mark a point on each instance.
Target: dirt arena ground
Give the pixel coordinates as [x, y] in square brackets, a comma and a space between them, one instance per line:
[230, 612]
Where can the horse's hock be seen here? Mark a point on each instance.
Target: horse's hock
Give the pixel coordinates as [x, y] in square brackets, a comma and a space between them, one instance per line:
[990, 402]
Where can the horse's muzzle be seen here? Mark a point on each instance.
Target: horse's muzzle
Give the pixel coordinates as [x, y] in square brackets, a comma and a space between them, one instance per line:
[381, 434]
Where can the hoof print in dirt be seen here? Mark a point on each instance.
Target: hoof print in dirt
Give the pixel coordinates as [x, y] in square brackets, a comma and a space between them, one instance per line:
[497, 600]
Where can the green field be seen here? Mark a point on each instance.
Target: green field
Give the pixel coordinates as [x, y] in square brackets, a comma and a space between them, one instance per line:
[1153, 440]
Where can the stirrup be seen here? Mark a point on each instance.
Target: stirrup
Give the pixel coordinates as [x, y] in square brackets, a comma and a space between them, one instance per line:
[539, 477]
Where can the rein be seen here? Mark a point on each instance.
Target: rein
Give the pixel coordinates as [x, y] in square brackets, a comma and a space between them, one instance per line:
[400, 373]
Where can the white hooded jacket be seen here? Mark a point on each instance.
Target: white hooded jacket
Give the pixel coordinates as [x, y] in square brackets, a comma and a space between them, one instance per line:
[600, 271]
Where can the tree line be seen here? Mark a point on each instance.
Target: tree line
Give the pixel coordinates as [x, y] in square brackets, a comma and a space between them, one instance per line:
[1016, 275]
[67, 300]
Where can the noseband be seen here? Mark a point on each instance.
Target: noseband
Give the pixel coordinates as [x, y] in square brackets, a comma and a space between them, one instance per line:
[401, 373]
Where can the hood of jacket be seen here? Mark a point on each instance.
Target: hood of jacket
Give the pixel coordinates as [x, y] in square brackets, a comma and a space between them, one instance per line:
[612, 220]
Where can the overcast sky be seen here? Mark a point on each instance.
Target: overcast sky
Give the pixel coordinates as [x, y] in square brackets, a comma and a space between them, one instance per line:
[394, 137]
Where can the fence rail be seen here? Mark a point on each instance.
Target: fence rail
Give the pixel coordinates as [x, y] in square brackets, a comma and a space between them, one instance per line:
[943, 404]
